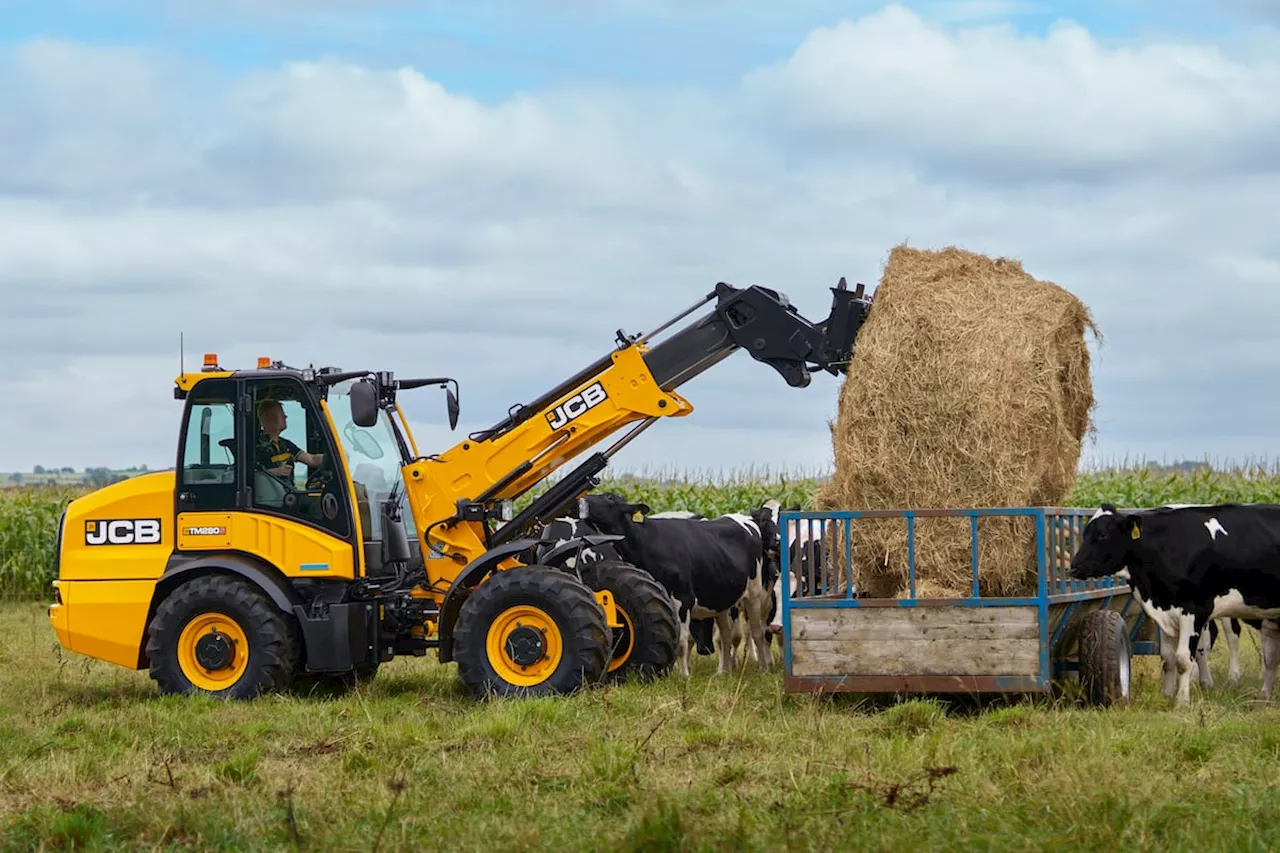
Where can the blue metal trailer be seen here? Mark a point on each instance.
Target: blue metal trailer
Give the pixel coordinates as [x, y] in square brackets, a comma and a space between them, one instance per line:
[836, 639]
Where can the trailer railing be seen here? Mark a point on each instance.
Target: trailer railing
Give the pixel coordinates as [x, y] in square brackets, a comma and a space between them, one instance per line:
[1057, 532]
[826, 557]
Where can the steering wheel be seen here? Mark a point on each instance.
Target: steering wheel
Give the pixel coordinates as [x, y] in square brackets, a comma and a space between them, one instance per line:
[321, 479]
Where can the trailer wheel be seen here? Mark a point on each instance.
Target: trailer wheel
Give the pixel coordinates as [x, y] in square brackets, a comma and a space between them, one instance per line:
[531, 631]
[645, 646]
[222, 636]
[1104, 658]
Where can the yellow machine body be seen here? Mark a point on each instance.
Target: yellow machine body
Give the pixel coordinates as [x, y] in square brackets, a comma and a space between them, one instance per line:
[117, 542]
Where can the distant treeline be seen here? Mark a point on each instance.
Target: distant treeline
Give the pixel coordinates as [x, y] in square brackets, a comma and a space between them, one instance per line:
[95, 477]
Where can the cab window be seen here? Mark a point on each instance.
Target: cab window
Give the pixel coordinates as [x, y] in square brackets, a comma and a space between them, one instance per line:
[292, 468]
[207, 472]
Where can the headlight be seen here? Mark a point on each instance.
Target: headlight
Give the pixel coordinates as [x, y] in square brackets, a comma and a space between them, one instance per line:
[506, 510]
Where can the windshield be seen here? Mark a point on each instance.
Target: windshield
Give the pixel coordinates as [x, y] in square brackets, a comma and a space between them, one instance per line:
[373, 455]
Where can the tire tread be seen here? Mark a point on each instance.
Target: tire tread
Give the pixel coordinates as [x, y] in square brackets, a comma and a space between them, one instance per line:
[1099, 659]
[656, 625]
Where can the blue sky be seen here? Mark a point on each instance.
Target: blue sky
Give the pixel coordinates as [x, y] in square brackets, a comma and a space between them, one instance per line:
[492, 49]
[486, 189]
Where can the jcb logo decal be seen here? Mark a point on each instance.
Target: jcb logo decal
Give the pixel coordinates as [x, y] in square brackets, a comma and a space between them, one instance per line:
[577, 405]
[122, 531]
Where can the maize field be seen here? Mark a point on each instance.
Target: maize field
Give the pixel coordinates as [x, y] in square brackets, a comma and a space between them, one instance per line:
[29, 516]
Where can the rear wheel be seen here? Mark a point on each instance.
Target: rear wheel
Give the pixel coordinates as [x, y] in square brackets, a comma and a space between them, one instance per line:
[530, 631]
[1104, 658]
[221, 636]
[645, 646]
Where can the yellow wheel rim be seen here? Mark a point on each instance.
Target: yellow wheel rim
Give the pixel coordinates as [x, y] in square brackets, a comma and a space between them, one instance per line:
[625, 654]
[524, 645]
[212, 662]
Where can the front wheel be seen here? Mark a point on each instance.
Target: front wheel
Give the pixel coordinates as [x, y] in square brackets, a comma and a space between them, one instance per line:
[530, 631]
[645, 646]
[222, 636]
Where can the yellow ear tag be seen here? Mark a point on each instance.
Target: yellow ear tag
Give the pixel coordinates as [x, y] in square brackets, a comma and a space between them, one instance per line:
[1136, 533]
[637, 516]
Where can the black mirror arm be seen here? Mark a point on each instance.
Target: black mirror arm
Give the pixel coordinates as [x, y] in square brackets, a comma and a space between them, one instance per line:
[451, 394]
[327, 379]
[407, 384]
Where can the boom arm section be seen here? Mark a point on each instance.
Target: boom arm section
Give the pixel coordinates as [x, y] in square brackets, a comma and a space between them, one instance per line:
[633, 385]
[767, 326]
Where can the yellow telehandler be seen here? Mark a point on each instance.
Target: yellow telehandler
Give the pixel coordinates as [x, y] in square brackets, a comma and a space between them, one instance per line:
[280, 545]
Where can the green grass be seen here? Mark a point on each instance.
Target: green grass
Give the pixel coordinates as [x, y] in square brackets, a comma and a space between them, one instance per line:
[93, 759]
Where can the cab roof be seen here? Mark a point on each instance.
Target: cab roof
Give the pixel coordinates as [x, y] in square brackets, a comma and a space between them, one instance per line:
[266, 369]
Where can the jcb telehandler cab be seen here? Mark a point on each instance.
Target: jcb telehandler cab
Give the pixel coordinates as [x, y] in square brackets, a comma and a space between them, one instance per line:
[279, 544]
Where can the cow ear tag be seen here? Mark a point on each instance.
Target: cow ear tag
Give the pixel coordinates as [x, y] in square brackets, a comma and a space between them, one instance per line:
[637, 516]
[1136, 533]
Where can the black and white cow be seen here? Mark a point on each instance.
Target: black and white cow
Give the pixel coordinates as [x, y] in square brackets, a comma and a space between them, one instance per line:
[708, 565]
[1204, 641]
[1188, 565]
[703, 630]
[560, 530]
[766, 518]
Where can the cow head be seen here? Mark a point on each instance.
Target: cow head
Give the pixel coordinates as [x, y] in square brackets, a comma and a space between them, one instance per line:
[766, 518]
[1106, 543]
[700, 631]
[610, 512]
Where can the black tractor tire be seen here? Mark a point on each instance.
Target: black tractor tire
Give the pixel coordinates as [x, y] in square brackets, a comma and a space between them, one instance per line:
[534, 615]
[644, 647]
[235, 627]
[1105, 659]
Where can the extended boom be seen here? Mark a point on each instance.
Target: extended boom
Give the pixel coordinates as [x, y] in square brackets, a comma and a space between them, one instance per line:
[455, 494]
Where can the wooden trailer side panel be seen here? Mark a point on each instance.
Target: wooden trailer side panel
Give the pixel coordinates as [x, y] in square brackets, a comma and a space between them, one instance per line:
[871, 643]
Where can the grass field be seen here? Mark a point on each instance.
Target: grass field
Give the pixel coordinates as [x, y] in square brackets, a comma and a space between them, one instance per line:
[92, 759]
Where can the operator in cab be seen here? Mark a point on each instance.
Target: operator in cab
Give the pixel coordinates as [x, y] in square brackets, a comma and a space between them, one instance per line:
[277, 455]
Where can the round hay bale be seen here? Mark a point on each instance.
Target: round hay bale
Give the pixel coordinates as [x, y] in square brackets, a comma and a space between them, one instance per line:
[969, 387]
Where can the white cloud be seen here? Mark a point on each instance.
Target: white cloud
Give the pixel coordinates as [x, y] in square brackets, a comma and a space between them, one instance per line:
[328, 213]
[998, 106]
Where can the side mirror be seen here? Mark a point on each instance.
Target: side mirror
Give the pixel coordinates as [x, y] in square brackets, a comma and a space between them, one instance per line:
[452, 402]
[364, 403]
